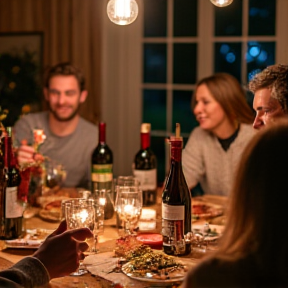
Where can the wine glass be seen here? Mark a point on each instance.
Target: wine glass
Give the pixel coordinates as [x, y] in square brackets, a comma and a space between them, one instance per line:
[55, 173]
[128, 205]
[80, 213]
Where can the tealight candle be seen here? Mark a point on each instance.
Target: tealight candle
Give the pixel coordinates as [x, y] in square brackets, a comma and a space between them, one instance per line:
[83, 215]
[102, 201]
[128, 209]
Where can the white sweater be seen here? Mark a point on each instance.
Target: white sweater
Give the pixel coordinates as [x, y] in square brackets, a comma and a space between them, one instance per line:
[204, 161]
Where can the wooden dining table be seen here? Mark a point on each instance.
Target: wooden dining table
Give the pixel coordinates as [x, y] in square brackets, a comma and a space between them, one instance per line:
[106, 244]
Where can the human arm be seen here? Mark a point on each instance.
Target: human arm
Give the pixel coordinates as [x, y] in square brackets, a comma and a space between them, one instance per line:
[192, 159]
[62, 247]
[27, 154]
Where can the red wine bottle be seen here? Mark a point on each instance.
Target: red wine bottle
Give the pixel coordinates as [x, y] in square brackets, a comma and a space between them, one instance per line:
[102, 170]
[13, 208]
[176, 203]
[145, 167]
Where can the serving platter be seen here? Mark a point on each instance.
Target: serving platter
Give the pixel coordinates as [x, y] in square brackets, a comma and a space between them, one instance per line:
[154, 278]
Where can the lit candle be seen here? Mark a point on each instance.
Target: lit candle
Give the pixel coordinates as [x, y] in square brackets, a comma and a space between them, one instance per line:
[102, 201]
[83, 215]
[128, 209]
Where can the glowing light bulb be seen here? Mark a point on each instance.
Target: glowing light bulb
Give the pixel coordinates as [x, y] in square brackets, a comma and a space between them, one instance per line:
[122, 12]
[221, 3]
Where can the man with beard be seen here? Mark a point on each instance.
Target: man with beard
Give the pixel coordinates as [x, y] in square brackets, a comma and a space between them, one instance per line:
[70, 139]
[270, 88]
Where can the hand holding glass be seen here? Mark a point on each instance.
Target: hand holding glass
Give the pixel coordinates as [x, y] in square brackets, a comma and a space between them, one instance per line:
[80, 214]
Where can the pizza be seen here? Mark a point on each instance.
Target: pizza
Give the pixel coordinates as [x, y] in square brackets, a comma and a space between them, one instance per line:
[205, 210]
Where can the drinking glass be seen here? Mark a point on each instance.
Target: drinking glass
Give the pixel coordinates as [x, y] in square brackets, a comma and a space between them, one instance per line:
[122, 181]
[55, 173]
[80, 213]
[128, 205]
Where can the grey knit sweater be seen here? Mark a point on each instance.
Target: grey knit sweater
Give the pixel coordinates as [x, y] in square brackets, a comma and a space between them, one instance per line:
[204, 161]
[28, 272]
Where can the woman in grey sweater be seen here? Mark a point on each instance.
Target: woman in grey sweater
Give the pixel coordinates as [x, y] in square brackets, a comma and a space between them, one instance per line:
[214, 149]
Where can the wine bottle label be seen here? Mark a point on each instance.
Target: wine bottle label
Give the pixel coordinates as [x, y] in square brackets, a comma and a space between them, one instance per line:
[173, 226]
[14, 208]
[102, 173]
[147, 178]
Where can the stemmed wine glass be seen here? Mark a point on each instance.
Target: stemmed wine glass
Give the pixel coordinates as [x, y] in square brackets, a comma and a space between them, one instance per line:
[128, 205]
[81, 214]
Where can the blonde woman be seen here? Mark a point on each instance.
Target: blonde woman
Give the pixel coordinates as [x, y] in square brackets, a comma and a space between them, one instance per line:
[214, 149]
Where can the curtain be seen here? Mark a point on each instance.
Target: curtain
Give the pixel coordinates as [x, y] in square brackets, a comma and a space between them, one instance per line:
[71, 31]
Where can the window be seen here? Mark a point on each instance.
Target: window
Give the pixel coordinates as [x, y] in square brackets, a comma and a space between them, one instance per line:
[190, 39]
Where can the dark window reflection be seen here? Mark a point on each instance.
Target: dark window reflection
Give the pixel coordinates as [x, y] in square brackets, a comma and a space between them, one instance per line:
[158, 147]
[262, 15]
[155, 18]
[155, 63]
[185, 18]
[228, 58]
[182, 112]
[228, 20]
[154, 108]
[184, 63]
[259, 55]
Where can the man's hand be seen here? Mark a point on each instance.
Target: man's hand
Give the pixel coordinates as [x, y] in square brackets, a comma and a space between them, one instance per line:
[27, 154]
[61, 251]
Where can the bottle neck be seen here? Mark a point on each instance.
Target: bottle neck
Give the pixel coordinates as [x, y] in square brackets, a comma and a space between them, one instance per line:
[176, 150]
[9, 157]
[102, 133]
[145, 140]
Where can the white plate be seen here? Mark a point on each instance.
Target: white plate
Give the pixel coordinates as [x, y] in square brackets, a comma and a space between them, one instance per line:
[23, 244]
[176, 277]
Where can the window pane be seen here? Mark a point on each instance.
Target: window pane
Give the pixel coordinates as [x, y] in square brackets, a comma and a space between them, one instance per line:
[184, 63]
[155, 63]
[228, 58]
[262, 15]
[182, 112]
[154, 108]
[228, 20]
[259, 55]
[158, 147]
[185, 18]
[155, 18]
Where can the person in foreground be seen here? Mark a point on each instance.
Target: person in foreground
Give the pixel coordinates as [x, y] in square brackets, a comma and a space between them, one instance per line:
[253, 251]
[58, 256]
[270, 88]
[214, 149]
[70, 139]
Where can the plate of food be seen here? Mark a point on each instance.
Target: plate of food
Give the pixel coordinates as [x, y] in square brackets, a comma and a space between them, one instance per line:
[23, 244]
[52, 211]
[155, 267]
[32, 240]
[204, 210]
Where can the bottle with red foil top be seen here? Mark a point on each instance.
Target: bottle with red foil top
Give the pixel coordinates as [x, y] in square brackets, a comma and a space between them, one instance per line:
[102, 169]
[176, 203]
[11, 228]
[145, 167]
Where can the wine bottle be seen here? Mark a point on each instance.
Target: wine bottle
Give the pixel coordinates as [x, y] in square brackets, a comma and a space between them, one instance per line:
[11, 227]
[145, 167]
[102, 170]
[176, 203]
